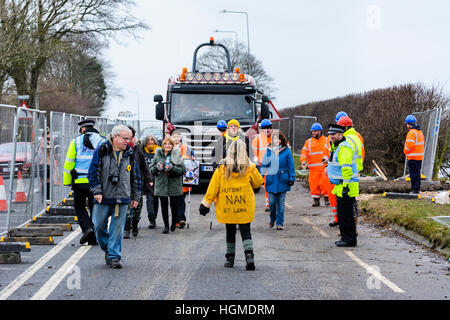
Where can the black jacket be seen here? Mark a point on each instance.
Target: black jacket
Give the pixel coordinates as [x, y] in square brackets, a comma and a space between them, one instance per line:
[143, 169]
[220, 149]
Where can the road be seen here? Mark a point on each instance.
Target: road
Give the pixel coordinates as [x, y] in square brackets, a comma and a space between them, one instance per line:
[300, 262]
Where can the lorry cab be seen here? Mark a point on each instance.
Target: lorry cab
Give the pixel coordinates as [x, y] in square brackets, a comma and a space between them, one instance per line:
[196, 101]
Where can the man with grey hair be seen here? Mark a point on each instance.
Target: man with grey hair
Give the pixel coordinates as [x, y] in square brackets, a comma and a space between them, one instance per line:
[114, 181]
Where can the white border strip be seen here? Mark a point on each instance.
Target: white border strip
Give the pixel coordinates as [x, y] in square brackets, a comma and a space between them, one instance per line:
[27, 274]
[374, 272]
[54, 281]
[323, 233]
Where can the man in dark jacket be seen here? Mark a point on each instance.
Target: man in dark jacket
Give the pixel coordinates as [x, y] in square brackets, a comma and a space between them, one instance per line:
[134, 215]
[114, 180]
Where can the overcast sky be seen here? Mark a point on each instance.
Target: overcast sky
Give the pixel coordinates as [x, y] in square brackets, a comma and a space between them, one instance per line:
[314, 49]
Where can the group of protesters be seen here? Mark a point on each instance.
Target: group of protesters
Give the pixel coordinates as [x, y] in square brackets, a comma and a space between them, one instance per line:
[115, 172]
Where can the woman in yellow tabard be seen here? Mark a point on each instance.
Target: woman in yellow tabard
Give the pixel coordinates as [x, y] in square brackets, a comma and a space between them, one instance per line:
[231, 188]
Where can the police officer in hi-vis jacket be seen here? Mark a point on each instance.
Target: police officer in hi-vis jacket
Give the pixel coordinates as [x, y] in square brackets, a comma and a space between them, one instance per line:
[76, 166]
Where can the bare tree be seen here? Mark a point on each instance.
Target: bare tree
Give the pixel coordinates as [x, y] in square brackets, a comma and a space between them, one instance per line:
[379, 116]
[50, 25]
[12, 31]
[214, 60]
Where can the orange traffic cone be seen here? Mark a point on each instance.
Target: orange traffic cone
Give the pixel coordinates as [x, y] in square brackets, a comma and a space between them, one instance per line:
[20, 193]
[3, 200]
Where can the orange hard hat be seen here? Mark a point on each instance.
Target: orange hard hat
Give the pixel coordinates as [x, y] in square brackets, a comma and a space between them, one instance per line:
[345, 122]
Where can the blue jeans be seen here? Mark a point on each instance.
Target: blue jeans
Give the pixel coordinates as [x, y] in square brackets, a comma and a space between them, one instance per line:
[276, 205]
[110, 241]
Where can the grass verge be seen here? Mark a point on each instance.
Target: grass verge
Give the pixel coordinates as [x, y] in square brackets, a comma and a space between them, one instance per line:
[414, 215]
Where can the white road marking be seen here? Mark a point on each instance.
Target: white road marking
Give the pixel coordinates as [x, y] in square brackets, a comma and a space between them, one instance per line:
[323, 233]
[374, 272]
[54, 281]
[27, 274]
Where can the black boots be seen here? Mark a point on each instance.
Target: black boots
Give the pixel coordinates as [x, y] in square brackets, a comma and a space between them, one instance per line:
[230, 260]
[89, 237]
[333, 224]
[130, 226]
[250, 260]
[316, 202]
[152, 224]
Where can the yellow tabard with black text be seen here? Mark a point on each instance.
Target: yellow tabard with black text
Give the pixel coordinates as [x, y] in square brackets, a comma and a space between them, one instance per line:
[235, 197]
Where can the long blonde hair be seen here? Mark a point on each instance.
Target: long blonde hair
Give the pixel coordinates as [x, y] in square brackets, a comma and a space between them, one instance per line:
[236, 160]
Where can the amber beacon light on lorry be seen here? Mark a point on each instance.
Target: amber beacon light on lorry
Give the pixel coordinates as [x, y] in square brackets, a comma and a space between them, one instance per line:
[213, 77]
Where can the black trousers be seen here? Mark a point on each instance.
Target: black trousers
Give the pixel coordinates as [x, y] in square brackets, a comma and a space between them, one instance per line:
[347, 227]
[152, 206]
[182, 207]
[165, 209]
[414, 167]
[243, 228]
[81, 192]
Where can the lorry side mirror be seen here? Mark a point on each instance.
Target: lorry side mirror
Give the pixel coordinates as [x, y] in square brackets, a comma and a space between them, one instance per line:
[159, 111]
[265, 113]
[158, 98]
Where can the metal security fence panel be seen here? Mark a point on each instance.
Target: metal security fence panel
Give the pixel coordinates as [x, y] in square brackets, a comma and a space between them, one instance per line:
[7, 119]
[285, 126]
[151, 127]
[110, 124]
[429, 122]
[301, 131]
[58, 150]
[101, 124]
[28, 177]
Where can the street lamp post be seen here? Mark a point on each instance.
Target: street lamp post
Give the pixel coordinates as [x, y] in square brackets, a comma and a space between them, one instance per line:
[235, 34]
[248, 32]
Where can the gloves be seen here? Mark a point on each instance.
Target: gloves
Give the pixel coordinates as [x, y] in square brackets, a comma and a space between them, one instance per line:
[353, 188]
[203, 210]
[168, 167]
[291, 182]
[160, 167]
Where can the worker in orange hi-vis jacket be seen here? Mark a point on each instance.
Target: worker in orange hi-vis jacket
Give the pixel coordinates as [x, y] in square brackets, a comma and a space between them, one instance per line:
[259, 146]
[312, 156]
[414, 150]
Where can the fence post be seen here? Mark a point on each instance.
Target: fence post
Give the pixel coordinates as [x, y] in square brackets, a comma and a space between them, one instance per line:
[46, 161]
[435, 135]
[34, 165]
[293, 136]
[50, 196]
[12, 167]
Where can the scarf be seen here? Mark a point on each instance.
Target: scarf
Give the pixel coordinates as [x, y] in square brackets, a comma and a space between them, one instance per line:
[151, 149]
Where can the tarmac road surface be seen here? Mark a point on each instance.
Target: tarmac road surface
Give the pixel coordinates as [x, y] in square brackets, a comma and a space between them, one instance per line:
[300, 262]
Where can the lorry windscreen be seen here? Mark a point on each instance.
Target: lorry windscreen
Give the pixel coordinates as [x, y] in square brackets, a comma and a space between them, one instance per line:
[186, 108]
